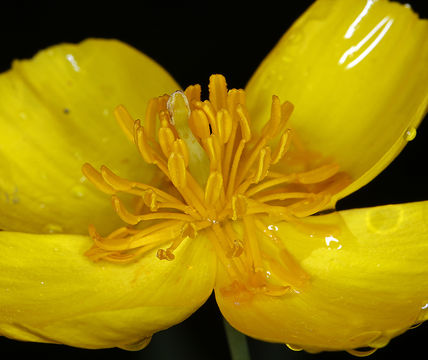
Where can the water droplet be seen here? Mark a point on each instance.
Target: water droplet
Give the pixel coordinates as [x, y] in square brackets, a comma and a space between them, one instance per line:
[42, 283]
[141, 344]
[410, 134]
[332, 242]
[296, 36]
[385, 219]
[365, 338]
[380, 341]
[294, 347]
[78, 191]
[286, 59]
[424, 313]
[78, 156]
[53, 229]
[73, 62]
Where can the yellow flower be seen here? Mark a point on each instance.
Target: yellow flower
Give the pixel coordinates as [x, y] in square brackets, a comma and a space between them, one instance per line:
[222, 194]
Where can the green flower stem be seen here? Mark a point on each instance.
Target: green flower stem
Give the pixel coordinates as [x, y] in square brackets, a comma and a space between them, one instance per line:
[237, 341]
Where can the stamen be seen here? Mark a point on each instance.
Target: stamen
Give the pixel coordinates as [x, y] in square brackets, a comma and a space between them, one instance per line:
[319, 174]
[125, 121]
[212, 172]
[193, 93]
[140, 140]
[224, 123]
[166, 140]
[177, 170]
[198, 123]
[218, 92]
[95, 178]
[150, 118]
[263, 165]
[253, 243]
[214, 188]
[282, 148]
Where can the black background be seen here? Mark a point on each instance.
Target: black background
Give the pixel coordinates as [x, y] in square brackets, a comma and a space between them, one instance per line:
[192, 42]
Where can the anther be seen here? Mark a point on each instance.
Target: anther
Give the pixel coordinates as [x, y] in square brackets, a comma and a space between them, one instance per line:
[115, 181]
[319, 174]
[166, 140]
[180, 147]
[193, 93]
[142, 143]
[177, 170]
[165, 255]
[224, 123]
[150, 200]
[270, 129]
[125, 121]
[244, 124]
[282, 147]
[218, 91]
[189, 230]
[286, 111]
[198, 123]
[262, 165]
[239, 206]
[213, 188]
[212, 147]
[95, 178]
[123, 213]
[150, 117]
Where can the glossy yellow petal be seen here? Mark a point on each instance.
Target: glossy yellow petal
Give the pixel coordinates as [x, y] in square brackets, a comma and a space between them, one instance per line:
[51, 292]
[357, 74]
[56, 113]
[368, 281]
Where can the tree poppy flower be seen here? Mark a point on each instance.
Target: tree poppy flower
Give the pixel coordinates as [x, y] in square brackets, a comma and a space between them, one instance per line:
[232, 194]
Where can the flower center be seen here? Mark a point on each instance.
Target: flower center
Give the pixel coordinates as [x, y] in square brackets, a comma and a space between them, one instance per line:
[217, 178]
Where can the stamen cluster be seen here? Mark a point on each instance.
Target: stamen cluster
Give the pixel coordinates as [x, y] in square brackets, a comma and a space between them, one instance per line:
[218, 177]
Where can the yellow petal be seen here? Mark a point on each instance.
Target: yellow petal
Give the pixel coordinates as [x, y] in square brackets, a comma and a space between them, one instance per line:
[368, 282]
[56, 113]
[51, 292]
[356, 73]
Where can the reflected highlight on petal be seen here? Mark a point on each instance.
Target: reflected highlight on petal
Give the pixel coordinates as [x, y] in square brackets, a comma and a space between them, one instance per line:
[357, 97]
[56, 111]
[51, 292]
[368, 281]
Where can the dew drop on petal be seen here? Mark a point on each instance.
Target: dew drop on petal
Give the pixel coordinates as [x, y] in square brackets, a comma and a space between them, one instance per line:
[410, 134]
[384, 220]
[78, 191]
[424, 313]
[294, 347]
[332, 242]
[137, 345]
[52, 229]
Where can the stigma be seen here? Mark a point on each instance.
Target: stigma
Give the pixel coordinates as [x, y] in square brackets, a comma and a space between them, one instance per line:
[216, 177]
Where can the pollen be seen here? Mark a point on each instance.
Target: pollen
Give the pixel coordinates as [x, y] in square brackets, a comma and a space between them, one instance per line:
[219, 178]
